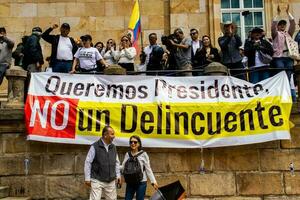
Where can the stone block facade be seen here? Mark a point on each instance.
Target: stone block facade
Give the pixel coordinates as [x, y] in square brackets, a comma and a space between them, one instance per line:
[249, 172]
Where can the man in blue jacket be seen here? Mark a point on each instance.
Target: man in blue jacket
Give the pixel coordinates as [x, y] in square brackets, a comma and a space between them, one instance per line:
[63, 48]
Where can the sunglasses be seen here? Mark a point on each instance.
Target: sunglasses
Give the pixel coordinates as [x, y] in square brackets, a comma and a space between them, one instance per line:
[133, 142]
[124, 40]
[109, 42]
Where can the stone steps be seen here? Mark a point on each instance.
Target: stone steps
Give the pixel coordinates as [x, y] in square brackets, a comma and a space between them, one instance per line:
[4, 191]
[16, 198]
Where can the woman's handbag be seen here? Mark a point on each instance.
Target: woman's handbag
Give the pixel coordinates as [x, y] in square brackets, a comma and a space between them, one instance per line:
[264, 57]
[293, 48]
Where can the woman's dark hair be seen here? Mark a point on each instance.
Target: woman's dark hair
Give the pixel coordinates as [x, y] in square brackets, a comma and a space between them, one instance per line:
[139, 141]
[114, 45]
[210, 45]
[99, 43]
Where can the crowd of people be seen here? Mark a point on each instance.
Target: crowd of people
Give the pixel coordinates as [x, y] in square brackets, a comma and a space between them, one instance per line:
[188, 55]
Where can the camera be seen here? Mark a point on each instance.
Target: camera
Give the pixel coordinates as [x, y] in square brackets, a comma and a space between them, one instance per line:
[165, 39]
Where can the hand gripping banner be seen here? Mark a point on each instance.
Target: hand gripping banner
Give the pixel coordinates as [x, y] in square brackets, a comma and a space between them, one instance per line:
[176, 112]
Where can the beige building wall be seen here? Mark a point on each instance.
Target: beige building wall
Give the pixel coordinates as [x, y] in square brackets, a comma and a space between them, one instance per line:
[105, 19]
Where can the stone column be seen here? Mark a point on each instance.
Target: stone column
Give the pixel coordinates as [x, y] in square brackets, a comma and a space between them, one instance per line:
[115, 70]
[215, 69]
[16, 79]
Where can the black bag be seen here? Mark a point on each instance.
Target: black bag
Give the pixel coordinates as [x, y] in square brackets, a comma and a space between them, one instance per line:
[133, 172]
[264, 57]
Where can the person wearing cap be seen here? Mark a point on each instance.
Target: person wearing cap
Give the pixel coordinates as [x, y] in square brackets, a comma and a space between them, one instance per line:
[87, 57]
[6, 46]
[281, 57]
[255, 47]
[230, 43]
[33, 56]
[63, 48]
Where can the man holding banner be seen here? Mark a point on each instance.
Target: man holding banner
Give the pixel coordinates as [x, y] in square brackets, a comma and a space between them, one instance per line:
[102, 167]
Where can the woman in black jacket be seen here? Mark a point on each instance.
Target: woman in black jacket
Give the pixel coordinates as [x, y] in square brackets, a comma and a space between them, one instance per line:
[207, 53]
[259, 52]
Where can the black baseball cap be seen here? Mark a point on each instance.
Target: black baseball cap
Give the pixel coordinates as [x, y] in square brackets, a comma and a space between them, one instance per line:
[257, 30]
[37, 29]
[86, 37]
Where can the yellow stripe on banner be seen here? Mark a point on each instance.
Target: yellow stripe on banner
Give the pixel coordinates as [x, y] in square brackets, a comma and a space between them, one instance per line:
[199, 121]
[135, 15]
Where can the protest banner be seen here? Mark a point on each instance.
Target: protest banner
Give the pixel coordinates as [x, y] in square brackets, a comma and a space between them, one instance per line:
[175, 112]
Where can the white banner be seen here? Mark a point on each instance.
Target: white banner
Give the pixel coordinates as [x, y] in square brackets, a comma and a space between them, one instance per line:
[179, 112]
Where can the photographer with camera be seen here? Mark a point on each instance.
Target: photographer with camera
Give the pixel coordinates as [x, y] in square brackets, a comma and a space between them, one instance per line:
[183, 53]
[6, 46]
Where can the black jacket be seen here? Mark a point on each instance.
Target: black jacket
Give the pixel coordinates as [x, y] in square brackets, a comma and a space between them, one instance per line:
[230, 49]
[200, 56]
[250, 49]
[193, 56]
[53, 40]
[32, 51]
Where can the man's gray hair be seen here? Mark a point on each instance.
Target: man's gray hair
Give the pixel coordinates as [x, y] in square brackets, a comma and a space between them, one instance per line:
[178, 30]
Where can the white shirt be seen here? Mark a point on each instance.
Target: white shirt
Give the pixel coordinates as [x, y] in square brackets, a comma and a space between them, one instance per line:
[195, 45]
[148, 51]
[88, 57]
[64, 49]
[258, 63]
[125, 55]
[108, 57]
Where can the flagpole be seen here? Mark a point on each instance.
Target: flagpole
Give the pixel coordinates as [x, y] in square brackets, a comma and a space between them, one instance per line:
[141, 26]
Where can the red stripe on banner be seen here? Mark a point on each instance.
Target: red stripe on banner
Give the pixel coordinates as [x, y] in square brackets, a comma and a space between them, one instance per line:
[50, 116]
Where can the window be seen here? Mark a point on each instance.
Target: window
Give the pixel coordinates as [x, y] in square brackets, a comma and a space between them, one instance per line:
[246, 14]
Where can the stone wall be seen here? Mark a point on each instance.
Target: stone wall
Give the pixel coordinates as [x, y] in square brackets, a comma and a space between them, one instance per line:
[250, 172]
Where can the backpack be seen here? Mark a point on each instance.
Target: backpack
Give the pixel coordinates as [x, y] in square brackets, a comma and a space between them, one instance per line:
[133, 172]
[155, 58]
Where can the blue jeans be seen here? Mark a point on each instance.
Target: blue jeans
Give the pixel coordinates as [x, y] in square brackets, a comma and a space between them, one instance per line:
[284, 62]
[3, 68]
[288, 63]
[139, 189]
[61, 66]
[259, 75]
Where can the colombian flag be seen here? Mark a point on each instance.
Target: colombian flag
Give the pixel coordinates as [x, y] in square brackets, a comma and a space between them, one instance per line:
[134, 25]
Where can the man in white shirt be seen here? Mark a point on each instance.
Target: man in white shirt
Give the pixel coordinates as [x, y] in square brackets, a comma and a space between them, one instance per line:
[102, 167]
[196, 44]
[63, 48]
